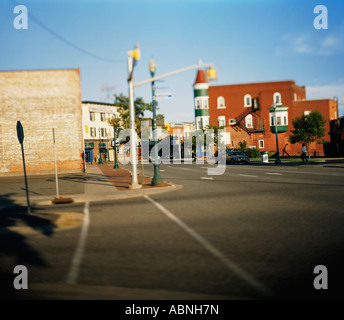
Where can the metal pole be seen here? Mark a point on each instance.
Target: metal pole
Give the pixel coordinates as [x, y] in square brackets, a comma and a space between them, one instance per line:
[115, 148]
[133, 156]
[156, 178]
[195, 66]
[56, 179]
[100, 150]
[278, 160]
[26, 186]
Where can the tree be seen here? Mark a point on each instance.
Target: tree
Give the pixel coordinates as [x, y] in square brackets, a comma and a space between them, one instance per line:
[307, 129]
[123, 121]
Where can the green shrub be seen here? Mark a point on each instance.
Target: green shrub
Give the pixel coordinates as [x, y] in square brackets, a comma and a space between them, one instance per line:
[252, 153]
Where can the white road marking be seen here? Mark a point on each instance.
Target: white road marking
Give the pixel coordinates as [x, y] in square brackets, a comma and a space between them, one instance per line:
[75, 267]
[274, 173]
[207, 178]
[247, 175]
[215, 252]
[287, 170]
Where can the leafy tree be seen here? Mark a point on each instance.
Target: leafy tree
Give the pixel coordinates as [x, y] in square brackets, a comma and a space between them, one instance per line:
[308, 129]
[123, 121]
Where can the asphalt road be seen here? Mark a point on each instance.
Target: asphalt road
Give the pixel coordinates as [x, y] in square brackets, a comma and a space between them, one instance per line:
[255, 232]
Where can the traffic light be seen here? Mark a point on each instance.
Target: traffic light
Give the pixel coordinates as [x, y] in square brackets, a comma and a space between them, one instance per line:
[212, 74]
[136, 54]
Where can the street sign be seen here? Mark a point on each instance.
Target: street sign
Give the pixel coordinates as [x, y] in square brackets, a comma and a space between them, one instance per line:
[20, 135]
[20, 132]
[160, 96]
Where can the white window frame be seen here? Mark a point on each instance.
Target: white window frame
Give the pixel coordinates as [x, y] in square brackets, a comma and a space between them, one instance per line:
[205, 103]
[221, 103]
[277, 94]
[248, 119]
[221, 119]
[198, 103]
[103, 132]
[92, 116]
[246, 105]
[93, 132]
[259, 146]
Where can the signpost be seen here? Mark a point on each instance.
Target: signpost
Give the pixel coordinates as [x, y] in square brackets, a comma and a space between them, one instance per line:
[20, 135]
[163, 96]
[56, 178]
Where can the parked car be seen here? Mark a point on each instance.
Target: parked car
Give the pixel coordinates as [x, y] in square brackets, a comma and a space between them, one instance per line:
[236, 157]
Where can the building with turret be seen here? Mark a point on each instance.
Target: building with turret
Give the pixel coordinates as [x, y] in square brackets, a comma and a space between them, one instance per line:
[201, 99]
[245, 111]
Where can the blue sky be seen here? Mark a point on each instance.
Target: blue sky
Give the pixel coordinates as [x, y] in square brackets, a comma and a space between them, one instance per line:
[246, 40]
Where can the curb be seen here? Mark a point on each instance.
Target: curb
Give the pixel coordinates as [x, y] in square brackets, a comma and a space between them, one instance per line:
[84, 197]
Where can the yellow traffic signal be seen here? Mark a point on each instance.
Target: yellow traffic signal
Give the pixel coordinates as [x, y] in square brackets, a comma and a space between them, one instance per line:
[136, 54]
[212, 74]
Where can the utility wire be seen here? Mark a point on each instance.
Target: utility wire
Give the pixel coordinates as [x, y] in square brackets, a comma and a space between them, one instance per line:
[67, 42]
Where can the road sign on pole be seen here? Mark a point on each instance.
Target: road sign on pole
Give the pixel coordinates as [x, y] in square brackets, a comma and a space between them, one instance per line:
[20, 132]
[20, 135]
[161, 96]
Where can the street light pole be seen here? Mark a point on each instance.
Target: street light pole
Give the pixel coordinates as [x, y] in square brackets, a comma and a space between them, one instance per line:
[156, 178]
[115, 148]
[133, 155]
[278, 160]
[100, 150]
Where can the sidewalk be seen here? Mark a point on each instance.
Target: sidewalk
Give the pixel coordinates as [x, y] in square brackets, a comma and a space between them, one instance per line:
[99, 183]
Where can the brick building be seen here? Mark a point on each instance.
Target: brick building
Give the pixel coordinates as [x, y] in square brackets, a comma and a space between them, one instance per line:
[41, 100]
[244, 110]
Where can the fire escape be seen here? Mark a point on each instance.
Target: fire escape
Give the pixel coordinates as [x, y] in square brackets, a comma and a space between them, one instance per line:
[257, 123]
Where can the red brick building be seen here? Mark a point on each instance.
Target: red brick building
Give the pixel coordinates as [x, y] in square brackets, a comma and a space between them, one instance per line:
[244, 110]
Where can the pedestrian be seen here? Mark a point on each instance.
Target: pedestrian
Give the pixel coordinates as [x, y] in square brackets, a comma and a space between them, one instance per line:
[304, 154]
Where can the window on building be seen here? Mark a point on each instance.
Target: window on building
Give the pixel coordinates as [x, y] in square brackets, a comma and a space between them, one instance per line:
[205, 104]
[222, 121]
[102, 117]
[248, 100]
[278, 121]
[103, 132]
[277, 98]
[221, 103]
[198, 103]
[261, 144]
[306, 113]
[92, 116]
[249, 121]
[285, 120]
[93, 132]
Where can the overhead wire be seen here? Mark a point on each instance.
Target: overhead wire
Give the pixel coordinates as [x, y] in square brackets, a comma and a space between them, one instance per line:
[67, 42]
